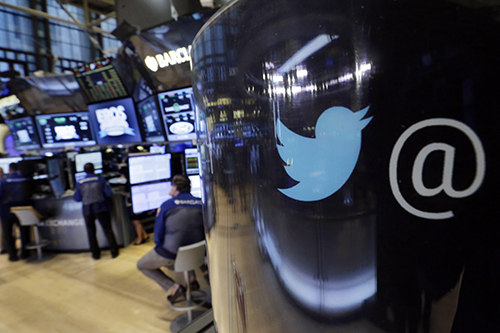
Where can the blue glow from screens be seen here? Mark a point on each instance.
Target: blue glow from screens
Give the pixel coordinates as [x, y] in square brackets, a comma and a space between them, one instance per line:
[150, 120]
[82, 159]
[149, 196]
[65, 130]
[115, 122]
[24, 133]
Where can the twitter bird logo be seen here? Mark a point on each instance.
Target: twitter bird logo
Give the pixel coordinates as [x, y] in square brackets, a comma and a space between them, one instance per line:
[322, 165]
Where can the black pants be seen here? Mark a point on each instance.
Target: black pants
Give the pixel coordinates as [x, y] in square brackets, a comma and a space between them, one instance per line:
[8, 221]
[105, 220]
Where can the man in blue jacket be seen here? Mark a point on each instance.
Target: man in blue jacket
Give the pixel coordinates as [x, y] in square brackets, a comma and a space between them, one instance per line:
[94, 192]
[179, 222]
[12, 194]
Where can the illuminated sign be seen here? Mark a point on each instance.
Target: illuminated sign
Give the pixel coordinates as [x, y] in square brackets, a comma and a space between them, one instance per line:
[170, 58]
[9, 101]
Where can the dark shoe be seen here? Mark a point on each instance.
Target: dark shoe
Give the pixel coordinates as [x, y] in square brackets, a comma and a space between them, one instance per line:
[25, 255]
[12, 258]
[144, 240]
[194, 285]
[3, 251]
[115, 254]
[181, 291]
[96, 257]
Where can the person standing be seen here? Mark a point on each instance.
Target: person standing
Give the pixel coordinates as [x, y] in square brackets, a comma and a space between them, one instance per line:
[11, 195]
[179, 222]
[94, 192]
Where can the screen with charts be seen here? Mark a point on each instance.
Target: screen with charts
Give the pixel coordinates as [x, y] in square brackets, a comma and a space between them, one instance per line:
[150, 120]
[178, 112]
[191, 155]
[65, 130]
[148, 168]
[24, 133]
[195, 186]
[100, 81]
[115, 122]
[149, 196]
[94, 158]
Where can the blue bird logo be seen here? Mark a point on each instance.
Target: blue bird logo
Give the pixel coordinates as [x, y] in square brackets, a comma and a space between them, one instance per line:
[322, 165]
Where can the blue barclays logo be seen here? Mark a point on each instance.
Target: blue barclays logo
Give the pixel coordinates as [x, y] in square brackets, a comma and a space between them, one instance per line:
[322, 165]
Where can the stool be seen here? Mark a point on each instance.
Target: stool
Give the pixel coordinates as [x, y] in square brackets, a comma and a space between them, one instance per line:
[28, 216]
[188, 258]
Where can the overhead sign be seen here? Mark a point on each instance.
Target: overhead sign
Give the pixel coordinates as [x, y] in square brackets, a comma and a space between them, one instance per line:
[170, 58]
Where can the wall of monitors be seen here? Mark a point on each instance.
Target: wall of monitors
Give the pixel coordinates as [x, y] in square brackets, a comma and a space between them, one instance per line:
[24, 133]
[150, 120]
[64, 130]
[100, 81]
[178, 113]
[115, 122]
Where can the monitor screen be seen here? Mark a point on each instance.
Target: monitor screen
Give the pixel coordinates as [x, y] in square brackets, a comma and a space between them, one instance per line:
[148, 168]
[5, 162]
[82, 159]
[150, 120]
[100, 81]
[149, 196]
[191, 156]
[65, 130]
[157, 149]
[115, 122]
[195, 185]
[178, 112]
[24, 133]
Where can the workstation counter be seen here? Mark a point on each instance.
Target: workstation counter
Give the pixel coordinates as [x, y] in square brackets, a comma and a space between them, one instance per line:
[64, 226]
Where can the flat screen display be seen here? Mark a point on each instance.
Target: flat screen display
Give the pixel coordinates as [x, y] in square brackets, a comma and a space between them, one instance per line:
[82, 159]
[115, 122]
[24, 133]
[100, 81]
[150, 120]
[65, 130]
[157, 149]
[191, 156]
[5, 162]
[148, 168]
[149, 196]
[178, 112]
[195, 186]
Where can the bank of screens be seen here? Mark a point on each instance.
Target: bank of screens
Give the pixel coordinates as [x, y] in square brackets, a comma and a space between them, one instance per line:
[82, 159]
[191, 156]
[65, 130]
[148, 168]
[178, 113]
[149, 196]
[195, 185]
[100, 81]
[5, 162]
[24, 133]
[115, 122]
[150, 120]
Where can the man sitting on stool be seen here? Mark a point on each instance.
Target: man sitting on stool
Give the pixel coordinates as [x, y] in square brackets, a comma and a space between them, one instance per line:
[94, 191]
[179, 222]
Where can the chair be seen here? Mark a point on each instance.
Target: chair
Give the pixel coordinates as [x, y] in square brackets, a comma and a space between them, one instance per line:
[28, 216]
[188, 258]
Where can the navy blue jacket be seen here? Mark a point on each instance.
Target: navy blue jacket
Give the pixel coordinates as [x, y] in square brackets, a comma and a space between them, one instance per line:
[179, 223]
[93, 191]
[12, 192]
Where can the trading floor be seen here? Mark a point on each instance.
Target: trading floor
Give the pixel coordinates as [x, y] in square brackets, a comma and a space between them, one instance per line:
[74, 293]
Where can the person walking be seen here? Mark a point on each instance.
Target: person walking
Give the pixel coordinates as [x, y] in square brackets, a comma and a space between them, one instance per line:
[95, 193]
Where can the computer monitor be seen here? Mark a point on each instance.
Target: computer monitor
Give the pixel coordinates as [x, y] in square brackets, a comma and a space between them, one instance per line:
[5, 162]
[148, 168]
[24, 133]
[149, 196]
[65, 130]
[195, 185]
[150, 120]
[115, 122]
[178, 113]
[82, 159]
[157, 149]
[191, 158]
